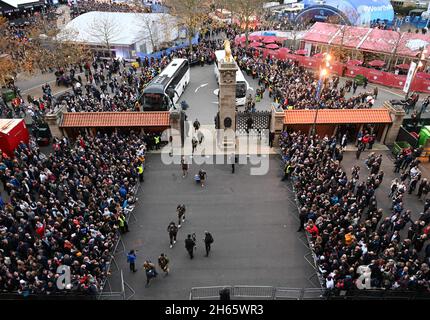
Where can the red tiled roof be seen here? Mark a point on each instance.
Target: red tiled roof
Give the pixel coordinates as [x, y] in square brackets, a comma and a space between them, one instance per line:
[334, 116]
[115, 119]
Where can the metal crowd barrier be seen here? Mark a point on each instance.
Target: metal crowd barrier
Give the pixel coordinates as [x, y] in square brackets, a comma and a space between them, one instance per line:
[128, 211]
[207, 293]
[240, 292]
[254, 292]
[309, 257]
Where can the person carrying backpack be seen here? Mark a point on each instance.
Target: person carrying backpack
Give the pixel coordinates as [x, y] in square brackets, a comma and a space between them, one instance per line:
[194, 143]
[202, 176]
[163, 262]
[150, 271]
[196, 125]
[189, 245]
[208, 241]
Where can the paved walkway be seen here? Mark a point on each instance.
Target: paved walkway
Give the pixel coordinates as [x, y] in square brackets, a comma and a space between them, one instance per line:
[252, 219]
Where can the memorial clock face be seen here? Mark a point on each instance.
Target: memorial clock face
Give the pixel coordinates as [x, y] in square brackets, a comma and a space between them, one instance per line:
[227, 122]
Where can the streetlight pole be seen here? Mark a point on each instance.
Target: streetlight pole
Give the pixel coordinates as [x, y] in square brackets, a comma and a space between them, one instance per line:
[423, 52]
[320, 88]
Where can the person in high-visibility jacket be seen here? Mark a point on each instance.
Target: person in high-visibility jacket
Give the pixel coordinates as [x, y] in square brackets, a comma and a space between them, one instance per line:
[140, 172]
[123, 227]
[157, 142]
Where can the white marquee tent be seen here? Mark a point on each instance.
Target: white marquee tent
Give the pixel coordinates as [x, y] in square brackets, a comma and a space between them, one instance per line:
[126, 31]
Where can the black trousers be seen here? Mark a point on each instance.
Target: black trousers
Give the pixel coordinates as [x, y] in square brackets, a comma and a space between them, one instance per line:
[180, 218]
[191, 253]
[172, 237]
[132, 267]
[302, 225]
[208, 248]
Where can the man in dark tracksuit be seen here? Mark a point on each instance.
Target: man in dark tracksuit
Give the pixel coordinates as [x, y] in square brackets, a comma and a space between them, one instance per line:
[189, 245]
[303, 219]
[398, 163]
[180, 209]
[208, 241]
[172, 229]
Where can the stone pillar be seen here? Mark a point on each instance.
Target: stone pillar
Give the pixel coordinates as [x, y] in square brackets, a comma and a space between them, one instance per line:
[397, 114]
[227, 103]
[54, 119]
[176, 128]
[277, 123]
[384, 133]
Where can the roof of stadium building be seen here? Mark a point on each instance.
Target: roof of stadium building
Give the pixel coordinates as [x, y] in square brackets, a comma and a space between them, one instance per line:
[368, 39]
[17, 3]
[115, 119]
[337, 116]
[121, 28]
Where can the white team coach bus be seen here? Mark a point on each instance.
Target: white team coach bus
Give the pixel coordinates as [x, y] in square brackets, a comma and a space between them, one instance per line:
[167, 87]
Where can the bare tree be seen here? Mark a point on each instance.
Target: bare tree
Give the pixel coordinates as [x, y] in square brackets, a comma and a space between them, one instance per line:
[7, 69]
[246, 10]
[43, 51]
[392, 61]
[106, 30]
[149, 29]
[191, 14]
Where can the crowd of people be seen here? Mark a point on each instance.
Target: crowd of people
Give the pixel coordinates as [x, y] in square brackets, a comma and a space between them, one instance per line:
[87, 6]
[294, 87]
[65, 209]
[108, 85]
[347, 229]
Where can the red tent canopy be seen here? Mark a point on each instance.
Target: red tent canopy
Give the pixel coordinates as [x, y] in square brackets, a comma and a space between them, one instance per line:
[411, 44]
[376, 63]
[367, 39]
[255, 38]
[240, 39]
[318, 55]
[404, 66]
[302, 52]
[256, 44]
[354, 62]
[284, 50]
[380, 41]
[349, 37]
[321, 32]
[269, 39]
[272, 46]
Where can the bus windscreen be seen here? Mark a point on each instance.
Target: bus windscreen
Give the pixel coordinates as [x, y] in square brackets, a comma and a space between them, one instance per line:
[240, 89]
[154, 102]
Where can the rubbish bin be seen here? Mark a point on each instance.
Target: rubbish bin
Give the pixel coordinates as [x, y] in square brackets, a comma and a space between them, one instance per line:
[224, 294]
[424, 135]
[8, 95]
[359, 79]
[399, 146]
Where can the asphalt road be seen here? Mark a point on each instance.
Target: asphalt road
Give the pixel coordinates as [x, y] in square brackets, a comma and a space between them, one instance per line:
[200, 95]
[203, 102]
[252, 219]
